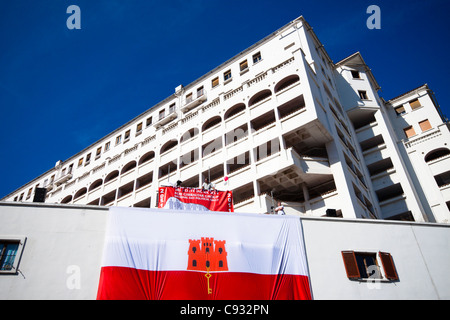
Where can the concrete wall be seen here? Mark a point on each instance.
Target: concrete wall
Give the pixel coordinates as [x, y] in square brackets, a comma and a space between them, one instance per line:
[420, 252]
[62, 254]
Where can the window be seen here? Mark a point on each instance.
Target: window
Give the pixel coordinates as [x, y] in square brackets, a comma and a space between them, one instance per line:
[10, 252]
[409, 132]
[29, 192]
[88, 158]
[200, 92]
[162, 114]
[365, 265]
[172, 108]
[149, 121]
[215, 82]
[415, 104]
[127, 134]
[425, 125]
[243, 65]
[256, 57]
[118, 139]
[363, 95]
[8, 255]
[107, 146]
[139, 127]
[189, 97]
[355, 74]
[400, 110]
[356, 190]
[80, 162]
[227, 75]
[99, 151]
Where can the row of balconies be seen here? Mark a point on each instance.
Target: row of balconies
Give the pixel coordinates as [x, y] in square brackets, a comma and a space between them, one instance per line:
[189, 103]
[192, 169]
[192, 103]
[384, 177]
[284, 112]
[137, 179]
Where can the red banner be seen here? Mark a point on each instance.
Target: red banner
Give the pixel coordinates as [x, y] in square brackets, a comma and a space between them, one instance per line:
[195, 199]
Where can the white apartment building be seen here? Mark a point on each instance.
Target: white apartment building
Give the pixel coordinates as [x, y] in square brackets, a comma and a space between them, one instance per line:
[280, 121]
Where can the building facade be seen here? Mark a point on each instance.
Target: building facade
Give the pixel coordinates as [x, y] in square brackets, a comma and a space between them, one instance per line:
[280, 121]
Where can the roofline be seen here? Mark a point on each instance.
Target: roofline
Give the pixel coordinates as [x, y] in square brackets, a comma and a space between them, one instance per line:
[366, 67]
[430, 92]
[422, 87]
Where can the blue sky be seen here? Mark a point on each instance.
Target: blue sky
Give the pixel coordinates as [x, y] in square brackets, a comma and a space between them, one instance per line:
[61, 90]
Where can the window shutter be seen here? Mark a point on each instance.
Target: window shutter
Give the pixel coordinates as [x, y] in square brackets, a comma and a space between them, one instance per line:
[388, 266]
[415, 104]
[409, 132]
[425, 125]
[351, 267]
[400, 110]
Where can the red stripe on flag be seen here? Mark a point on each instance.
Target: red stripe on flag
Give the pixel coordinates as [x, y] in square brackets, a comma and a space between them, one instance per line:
[122, 283]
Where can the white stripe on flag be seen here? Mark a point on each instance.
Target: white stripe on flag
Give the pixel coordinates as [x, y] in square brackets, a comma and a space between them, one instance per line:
[158, 240]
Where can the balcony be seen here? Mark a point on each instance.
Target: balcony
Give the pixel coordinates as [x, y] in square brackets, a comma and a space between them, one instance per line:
[394, 206]
[439, 165]
[63, 179]
[191, 103]
[165, 119]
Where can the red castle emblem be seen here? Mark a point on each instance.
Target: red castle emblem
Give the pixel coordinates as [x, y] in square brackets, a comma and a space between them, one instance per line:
[207, 255]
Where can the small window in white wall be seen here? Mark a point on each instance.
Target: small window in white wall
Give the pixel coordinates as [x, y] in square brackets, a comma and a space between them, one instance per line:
[256, 57]
[400, 110]
[243, 65]
[415, 104]
[363, 95]
[10, 253]
[227, 75]
[409, 132]
[425, 125]
[366, 265]
[215, 82]
[355, 74]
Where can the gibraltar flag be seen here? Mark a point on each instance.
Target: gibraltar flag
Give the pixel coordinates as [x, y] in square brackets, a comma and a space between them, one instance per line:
[186, 255]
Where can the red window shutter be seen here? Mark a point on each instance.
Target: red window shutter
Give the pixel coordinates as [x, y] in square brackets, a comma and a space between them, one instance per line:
[388, 266]
[351, 267]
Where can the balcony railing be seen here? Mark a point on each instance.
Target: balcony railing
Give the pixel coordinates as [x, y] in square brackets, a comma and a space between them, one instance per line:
[63, 179]
[190, 103]
[165, 119]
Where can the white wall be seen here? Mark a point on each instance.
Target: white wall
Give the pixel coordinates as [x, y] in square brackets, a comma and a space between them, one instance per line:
[420, 252]
[62, 243]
